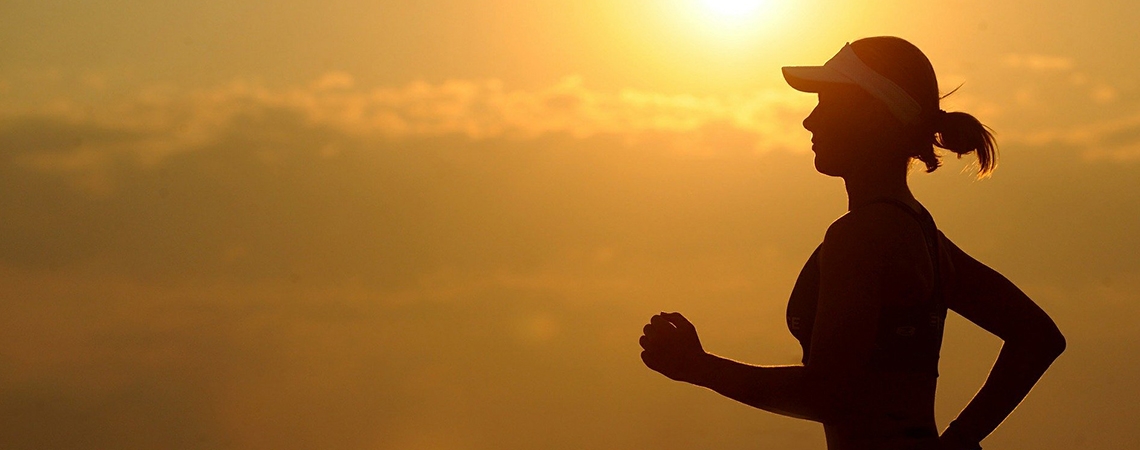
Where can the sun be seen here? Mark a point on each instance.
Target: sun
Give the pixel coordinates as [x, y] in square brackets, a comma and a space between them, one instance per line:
[734, 23]
[733, 8]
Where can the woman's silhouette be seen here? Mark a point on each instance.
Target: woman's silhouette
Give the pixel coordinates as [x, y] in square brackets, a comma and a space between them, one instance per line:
[869, 305]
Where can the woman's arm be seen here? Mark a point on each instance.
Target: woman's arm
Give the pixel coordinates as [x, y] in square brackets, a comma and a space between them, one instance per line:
[671, 347]
[851, 273]
[1031, 343]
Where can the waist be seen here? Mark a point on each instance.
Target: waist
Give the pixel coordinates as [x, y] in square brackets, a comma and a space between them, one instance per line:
[889, 411]
[837, 440]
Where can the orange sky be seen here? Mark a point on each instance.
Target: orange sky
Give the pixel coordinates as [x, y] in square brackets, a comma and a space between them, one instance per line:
[441, 224]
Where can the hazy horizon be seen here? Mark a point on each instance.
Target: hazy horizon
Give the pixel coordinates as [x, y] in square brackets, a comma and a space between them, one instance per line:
[442, 224]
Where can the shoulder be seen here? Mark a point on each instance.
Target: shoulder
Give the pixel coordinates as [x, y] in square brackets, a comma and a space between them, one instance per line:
[871, 226]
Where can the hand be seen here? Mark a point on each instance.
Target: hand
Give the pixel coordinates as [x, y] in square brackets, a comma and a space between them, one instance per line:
[673, 348]
[952, 441]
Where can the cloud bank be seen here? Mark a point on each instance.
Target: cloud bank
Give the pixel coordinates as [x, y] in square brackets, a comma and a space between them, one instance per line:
[161, 120]
[333, 267]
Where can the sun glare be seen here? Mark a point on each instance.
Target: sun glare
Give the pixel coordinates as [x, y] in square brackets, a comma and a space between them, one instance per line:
[734, 21]
[733, 8]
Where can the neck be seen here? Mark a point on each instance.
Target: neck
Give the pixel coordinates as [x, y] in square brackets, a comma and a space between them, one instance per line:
[863, 187]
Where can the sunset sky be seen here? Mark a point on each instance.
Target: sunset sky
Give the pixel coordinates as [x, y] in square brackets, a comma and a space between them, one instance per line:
[441, 224]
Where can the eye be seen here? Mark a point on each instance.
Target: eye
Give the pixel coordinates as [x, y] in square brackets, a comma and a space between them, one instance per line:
[827, 101]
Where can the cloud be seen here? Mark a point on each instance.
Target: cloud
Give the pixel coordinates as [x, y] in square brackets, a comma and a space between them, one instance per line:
[311, 183]
[1104, 94]
[246, 267]
[278, 199]
[487, 109]
[1042, 97]
[1117, 139]
[1038, 62]
[160, 120]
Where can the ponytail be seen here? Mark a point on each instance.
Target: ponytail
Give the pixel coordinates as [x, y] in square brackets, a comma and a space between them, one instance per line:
[962, 134]
[908, 68]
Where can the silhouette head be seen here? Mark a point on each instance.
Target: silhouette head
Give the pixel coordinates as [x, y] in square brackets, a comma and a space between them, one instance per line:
[879, 106]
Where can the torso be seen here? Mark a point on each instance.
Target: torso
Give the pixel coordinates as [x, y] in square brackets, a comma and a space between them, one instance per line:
[896, 407]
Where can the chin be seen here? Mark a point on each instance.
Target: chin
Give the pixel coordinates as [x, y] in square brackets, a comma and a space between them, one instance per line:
[822, 166]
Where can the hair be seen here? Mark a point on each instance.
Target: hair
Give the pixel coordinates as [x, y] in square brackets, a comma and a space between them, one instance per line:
[959, 132]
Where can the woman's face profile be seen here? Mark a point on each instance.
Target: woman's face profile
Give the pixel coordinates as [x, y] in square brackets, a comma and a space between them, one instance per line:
[849, 129]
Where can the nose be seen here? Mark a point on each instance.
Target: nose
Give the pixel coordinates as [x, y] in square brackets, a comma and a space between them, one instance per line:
[812, 119]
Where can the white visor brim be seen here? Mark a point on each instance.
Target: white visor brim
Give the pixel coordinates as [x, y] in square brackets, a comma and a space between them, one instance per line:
[812, 78]
[846, 68]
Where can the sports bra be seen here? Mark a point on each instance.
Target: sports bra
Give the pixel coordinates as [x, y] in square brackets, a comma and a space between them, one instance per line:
[909, 335]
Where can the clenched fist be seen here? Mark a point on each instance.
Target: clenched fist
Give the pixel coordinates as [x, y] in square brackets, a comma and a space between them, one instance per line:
[671, 347]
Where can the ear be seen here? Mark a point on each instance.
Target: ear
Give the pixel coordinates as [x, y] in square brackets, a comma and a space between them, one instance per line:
[915, 139]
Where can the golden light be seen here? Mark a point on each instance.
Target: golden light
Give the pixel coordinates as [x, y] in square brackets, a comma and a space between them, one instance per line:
[734, 22]
[733, 8]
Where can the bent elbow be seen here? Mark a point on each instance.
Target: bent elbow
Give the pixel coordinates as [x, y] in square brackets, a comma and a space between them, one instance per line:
[1048, 343]
[1056, 344]
[1052, 341]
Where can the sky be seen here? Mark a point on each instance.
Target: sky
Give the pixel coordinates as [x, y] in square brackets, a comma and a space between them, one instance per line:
[441, 224]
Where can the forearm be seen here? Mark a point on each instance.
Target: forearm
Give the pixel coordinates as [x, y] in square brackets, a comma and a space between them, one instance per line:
[1016, 370]
[779, 389]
